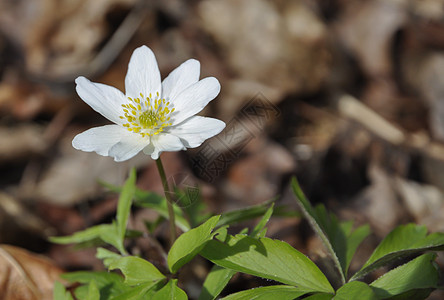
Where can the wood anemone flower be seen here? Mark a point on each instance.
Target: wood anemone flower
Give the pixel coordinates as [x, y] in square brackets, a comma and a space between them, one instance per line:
[152, 116]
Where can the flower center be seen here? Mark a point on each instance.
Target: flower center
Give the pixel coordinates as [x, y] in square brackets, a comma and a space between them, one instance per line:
[148, 119]
[147, 116]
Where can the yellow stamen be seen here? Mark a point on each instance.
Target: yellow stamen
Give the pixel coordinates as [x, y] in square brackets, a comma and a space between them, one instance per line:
[145, 119]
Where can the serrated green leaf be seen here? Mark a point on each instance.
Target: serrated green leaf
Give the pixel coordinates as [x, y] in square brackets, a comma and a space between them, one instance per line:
[190, 243]
[401, 238]
[404, 240]
[110, 284]
[215, 282]
[267, 258]
[60, 293]
[318, 220]
[221, 233]
[93, 291]
[355, 290]
[419, 273]
[137, 270]
[124, 204]
[107, 256]
[218, 277]
[170, 292]
[281, 292]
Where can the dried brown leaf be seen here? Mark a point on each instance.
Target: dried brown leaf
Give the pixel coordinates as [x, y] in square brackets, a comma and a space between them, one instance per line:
[25, 276]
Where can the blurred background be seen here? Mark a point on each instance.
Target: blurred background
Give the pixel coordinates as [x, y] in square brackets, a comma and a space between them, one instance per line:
[348, 95]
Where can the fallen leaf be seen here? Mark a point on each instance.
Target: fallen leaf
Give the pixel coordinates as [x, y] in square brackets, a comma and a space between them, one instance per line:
[25, 276]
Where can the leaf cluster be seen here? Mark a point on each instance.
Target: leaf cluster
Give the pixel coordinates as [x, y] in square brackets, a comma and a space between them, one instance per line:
[295, 275]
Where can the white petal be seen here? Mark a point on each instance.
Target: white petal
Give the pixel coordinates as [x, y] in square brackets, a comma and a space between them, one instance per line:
[104, 99]
[194, 99]
[128, 146]
[143, 74]
[110, 140]
[164, 142]
[148, 150]
[180, 78]
[99, 139]
[195, 130]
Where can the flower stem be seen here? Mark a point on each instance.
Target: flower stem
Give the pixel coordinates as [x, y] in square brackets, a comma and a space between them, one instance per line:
[166, 189]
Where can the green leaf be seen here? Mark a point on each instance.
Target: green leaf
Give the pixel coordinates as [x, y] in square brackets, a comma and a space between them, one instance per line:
[137, 270]
[106, 233]
[267, 258]
[93, 291]
[418, 294]
[110, 284]
[420, 273]
[136, 293]
[401, 238]
[264, 220]
[404, 240]
[281, 292]
[221, 233]
[219, 277]
[110, 234]
[320, 296]
[60, 293]
[244, 214]
[244, 231]
[170, 292]
[215, 282]
[156, 202]
[107, 256]
[151, 292]
[190, 243]
[354, 239]
[89, 234]
[319, 222]
[338, 237]
[114, 233]
[124, 204]
[355, 290]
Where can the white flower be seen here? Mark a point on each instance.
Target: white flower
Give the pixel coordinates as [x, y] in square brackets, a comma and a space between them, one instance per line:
[152, 117]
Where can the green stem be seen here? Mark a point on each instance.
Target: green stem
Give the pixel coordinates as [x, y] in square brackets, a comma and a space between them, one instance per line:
[166, 189]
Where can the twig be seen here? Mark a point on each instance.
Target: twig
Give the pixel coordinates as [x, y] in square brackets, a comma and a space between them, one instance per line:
[108, 53]
[355, 110]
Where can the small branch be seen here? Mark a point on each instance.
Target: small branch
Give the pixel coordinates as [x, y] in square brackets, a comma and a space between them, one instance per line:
[355, 110]
[107, 54]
